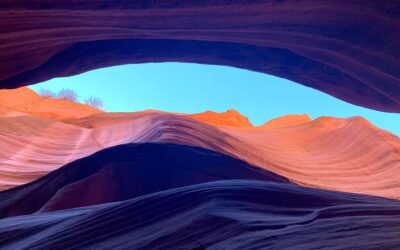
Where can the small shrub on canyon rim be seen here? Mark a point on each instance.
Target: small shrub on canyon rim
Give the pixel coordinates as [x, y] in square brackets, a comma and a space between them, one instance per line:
[47, 93]
[94, 102]
[68, 94]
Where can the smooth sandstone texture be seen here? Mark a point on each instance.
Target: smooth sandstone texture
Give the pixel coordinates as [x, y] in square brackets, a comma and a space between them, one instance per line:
[348, 49]
[234, 214]
[142, 195]
[123, 172]
[348, 155]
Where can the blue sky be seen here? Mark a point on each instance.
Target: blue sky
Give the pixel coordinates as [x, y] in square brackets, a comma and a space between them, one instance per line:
[193, 88]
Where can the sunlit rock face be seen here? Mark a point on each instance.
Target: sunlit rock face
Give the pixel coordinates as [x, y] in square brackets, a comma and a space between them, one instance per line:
[350, 155]
[230, 118]
[348, 49]
[24, 101]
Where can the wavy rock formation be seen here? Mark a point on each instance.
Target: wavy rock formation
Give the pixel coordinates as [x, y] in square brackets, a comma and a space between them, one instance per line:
[236, 214]
[209, 180]
[33, 141]
[124, 172]
[348, 155]
[348, 49]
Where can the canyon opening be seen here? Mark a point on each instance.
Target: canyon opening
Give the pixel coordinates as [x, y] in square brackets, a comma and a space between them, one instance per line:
[199, 124]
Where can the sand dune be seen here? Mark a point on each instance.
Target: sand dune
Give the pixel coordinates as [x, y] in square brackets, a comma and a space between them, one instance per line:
[236, 214]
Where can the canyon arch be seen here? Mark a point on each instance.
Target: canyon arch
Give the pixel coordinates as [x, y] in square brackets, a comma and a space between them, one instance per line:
[348, 49]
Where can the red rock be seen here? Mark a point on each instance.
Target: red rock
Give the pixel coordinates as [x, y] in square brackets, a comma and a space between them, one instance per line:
[348, 155]
[286, 121]
[230, 118]
[24, 101]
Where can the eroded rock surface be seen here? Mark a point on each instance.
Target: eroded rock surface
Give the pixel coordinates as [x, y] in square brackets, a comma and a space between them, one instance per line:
[348, 49]
[343, 154]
